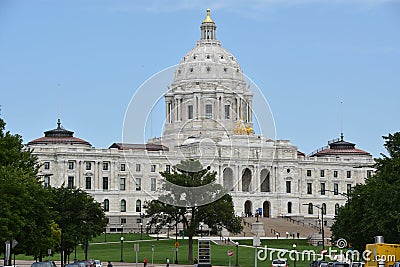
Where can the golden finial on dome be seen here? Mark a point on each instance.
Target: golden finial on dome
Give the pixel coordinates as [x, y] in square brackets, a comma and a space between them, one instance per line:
[208, 17]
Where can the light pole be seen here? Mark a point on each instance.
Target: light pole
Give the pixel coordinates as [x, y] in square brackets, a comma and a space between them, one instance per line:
[176, 239]
[168, 230]
[237, 254]
[201, 229]
[322, 224]
[141, 231]
[295, 255]
[158, 230]
[122, 248]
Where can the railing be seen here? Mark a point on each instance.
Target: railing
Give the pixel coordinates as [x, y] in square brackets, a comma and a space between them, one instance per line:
[300, 222]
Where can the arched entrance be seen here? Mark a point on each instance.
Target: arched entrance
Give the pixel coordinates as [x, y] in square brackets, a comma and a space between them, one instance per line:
[266, 209]
[246, 180]
[248, 207]
[228, 179]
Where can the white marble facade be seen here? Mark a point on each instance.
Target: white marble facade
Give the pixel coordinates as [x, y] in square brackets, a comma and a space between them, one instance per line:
[207, 100]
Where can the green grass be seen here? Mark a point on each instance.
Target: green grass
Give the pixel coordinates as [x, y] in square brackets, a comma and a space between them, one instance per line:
[163, 248]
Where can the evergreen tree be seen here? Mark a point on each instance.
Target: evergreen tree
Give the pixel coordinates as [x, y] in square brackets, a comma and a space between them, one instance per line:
[217, 214]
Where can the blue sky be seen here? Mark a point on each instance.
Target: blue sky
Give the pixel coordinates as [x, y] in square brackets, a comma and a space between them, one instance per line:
[306, 56]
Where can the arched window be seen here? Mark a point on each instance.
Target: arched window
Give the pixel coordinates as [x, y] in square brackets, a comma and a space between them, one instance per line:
[138, 205]
[265, 181]
[123, 205]
[289, 207]
[106, 205]
[310, 208]
[324, 208]
[336, 209]
[228, 179]
[246, 180]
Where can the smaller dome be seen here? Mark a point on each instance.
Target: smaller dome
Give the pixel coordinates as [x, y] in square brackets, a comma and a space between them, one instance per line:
[59, 136]
[339, 147]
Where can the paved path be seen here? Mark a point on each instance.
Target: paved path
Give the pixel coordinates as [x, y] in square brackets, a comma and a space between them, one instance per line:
[27, 263]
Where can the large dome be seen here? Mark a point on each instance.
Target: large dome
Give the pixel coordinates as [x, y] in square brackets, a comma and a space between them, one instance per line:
[208, 61]
[208, 98]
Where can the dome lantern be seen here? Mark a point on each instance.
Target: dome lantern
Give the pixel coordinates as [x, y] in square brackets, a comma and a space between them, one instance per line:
[208, 28]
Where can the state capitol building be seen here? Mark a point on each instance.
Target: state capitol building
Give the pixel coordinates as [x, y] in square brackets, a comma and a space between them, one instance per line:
[208, 116]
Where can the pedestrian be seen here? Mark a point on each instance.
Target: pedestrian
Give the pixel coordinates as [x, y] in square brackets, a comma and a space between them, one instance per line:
[144, 262]
[195, 262]
[167, 260]
[109, 264]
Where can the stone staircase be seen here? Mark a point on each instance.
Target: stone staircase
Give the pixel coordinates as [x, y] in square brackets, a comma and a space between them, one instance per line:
[282, 228]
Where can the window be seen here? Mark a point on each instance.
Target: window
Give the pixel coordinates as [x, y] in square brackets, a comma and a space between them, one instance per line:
[322, 173]
[310, 208]
[123, 205]
[323, 208]
[168, 168]
[88, 166]
[153, 168]
[336, 209]
[138, 205]
[138, 184]
[46, 181]
[322, 188]
[47, 165]
[105, 166]
[288, 186]
[308, 173]
[138, 167]
[208, 111]
[122, 167]
[153, 185]
[70, 181]
[227, 111]
[309, 188]
[88, 183]
[122, 184]
[289, 207]
[105, 183]
[348, 174]
[70, 165]
[335, 174]
[348, 189]
[123, 220]
[190, 112]
[106, 205]
[336, 189]
[369, 174]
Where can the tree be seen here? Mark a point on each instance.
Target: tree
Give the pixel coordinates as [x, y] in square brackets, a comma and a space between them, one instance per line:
[177, 204]
[25, 216]
[79, 217]
[373, 208]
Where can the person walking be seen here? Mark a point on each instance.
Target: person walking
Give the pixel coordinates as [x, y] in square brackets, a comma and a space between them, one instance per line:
[195, 262]
[109, 264]
[144, 262]
[167, 260]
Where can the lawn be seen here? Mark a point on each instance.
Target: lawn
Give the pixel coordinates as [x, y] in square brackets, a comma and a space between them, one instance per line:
[163, 248]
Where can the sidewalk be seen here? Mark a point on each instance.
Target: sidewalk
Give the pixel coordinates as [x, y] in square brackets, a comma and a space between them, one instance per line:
[27, 263]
